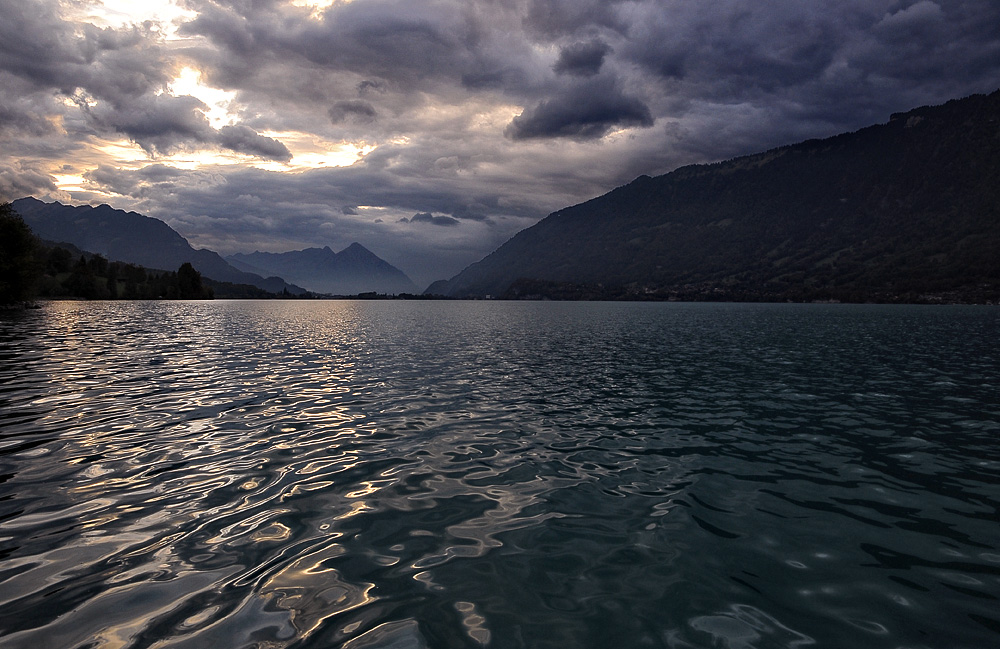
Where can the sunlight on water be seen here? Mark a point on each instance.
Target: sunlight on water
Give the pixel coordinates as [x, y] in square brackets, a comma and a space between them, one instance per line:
[473, 474]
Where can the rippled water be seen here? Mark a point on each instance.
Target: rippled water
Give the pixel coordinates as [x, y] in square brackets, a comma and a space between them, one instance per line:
[423, 475]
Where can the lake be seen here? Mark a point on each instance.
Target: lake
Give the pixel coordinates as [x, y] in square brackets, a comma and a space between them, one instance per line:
[431, 475]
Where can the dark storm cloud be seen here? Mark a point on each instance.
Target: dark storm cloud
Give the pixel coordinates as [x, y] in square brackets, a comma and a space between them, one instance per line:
[110, 64]
[352, 109]
[584, 111]
[582, 59]
[553, 18]
[384, 39]
[157, 123]
[244, 139]
[427, 217]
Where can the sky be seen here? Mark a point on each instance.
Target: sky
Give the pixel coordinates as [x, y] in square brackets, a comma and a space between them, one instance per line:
[433, 131]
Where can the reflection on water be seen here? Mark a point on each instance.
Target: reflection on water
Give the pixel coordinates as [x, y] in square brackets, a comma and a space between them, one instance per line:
[430, 475]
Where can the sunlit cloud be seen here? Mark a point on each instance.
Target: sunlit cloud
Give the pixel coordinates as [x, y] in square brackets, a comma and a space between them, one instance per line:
[73, 182]
[117, 13]
[318, 4]
[219, 102]
[312, 152]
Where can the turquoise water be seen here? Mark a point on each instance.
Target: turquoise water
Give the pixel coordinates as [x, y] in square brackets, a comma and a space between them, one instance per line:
[401, 475]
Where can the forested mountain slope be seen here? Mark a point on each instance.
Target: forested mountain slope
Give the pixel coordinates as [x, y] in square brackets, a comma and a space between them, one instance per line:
[903, 211]
[134, 238]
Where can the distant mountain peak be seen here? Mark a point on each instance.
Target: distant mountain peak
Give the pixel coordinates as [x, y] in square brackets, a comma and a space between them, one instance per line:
[353, 270]
[133, 238]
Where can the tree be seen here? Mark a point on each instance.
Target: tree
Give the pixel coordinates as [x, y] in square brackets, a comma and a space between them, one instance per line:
[113, 280]
[17, 263]
[189, 282]
[82, 282]
[59, 261]
[99, 265]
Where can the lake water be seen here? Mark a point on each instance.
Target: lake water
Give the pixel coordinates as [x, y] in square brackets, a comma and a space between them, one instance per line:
[437, 475]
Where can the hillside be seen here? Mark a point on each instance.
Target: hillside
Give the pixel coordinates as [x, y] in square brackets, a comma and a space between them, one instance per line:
[351, 271]
[133, 238]
[903, 211]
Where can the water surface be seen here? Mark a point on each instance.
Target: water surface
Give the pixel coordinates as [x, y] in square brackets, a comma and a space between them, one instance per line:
[408, 475]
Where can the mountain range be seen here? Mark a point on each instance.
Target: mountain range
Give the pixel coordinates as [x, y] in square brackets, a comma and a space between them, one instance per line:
[908, 210]
[133, 238]
[351, 271]
[138, 239]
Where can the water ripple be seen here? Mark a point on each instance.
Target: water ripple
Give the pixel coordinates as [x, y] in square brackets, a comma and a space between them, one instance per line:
[382, 475]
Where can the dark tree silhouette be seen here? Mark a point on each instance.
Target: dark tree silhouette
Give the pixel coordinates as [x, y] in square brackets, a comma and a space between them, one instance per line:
[113, 280]
[82, 282]
[17, 264]
[59, 261]
[189, 282]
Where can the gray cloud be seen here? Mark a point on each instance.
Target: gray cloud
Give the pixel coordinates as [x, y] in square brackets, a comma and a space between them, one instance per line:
[584, 111]
[427, 217]
[37, 45]
[352, 109]
[383, 39]
[159, 124]
[582, 59]
[244, 139]
[22, 115]
[18, 180]
[554, 18]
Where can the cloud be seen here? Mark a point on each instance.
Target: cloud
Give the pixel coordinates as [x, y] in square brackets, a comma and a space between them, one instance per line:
[38, 45]
[157, 123]
[24, 115]
[389, 40]
[916, 15]
[352, 109]
[553, 18]
[584, 111]
[582, 59]
[427, 217]
[18, 180]
[244, 139]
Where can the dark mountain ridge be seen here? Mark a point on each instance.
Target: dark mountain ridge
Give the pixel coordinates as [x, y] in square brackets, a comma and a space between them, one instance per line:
[133, 238]
[351, 271]
[892, 212]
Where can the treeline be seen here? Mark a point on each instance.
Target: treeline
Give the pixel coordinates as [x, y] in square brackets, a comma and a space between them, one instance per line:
[96, 278]
[533, 289]
[30, 268]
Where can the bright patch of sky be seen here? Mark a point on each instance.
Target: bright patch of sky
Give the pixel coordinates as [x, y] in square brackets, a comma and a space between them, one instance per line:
[188, 82]
[317, 4]
[115, 13]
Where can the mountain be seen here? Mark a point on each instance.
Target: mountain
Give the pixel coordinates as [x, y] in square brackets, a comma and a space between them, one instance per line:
[133, 238]
[908, 210]
[351, 271]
